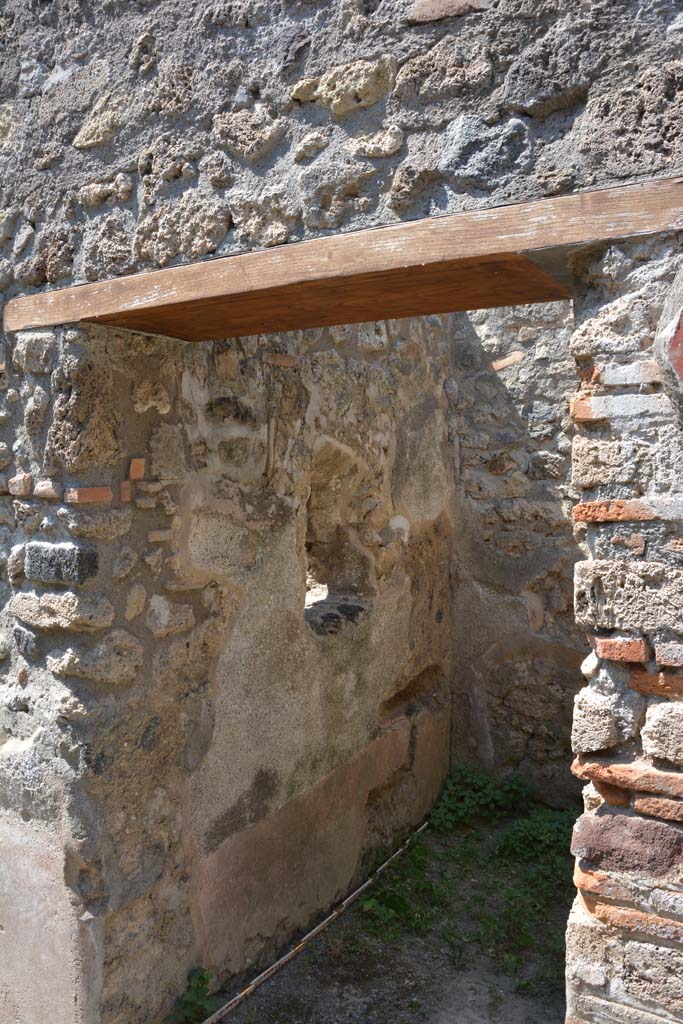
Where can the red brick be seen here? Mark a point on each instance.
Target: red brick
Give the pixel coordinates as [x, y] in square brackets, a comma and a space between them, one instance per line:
[615, 511]
[227, 365]
[48, 489]
[620, 649]
[669, 654]
[635, 542]
[125, 491]
[159, 536]
[634, 920]
[656, 684]
[88, 495]
[502, 364]
[282, 359]
[137, 469]
[613, 795]
[599, 883]
[658, 807]
[580, 409]
[20, 485]
[635, 775]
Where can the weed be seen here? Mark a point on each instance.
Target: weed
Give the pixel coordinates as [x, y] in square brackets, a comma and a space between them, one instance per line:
[195, 1005]
[470, 796]
[459, 947]
[495, 875]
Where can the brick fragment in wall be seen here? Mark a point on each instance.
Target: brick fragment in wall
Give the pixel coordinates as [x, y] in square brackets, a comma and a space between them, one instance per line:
[645, 371]
[658, 807]
[634, 775]
[136, 470]
[621, 648]
[59, 563]
[617, 841]
[596, 408]
[662, 734]
[20, 485]
[88, 495]
[628, 510]
[656, 684]
[638, 595]
[638, 921]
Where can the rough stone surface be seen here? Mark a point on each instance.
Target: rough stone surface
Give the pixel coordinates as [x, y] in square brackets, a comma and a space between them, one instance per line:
[345, 543]
[80, 613]
[663, 732]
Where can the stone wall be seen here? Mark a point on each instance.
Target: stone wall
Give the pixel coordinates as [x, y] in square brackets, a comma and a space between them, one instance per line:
[625, 939]
[516, 645]
[227, 645]
[241, 579]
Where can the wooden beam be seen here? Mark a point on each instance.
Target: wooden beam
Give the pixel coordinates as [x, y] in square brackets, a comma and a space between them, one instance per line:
[470, 260]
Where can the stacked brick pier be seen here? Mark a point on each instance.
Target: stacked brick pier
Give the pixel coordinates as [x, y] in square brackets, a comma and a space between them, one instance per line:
[625, 936]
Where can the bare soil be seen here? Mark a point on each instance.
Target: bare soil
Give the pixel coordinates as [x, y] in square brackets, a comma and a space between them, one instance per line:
[454, 962]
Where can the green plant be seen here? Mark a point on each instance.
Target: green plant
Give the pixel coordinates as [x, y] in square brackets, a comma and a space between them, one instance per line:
[469, 796]
[195, 1005]
[406, 896]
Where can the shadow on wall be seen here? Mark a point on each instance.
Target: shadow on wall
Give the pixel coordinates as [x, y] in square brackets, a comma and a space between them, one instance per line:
[517, 649]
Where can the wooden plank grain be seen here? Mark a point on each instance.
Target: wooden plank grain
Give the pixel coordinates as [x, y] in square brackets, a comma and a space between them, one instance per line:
[448, 287]
[353, 270]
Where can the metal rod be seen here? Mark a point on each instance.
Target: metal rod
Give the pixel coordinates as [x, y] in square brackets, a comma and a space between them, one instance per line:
[233, 1003]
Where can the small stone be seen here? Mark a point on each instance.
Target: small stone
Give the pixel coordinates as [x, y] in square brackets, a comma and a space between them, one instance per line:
[125, 560]
[148, 395]
[48, 490]
[595, 726]
[662, 733]
[135, 601]
[349, 87]
[79, 613]
[35, 352]
[423, 11]
[98, 525]
[20, 485]
[60, 563]
[5, 455]
[104, 122]
[380, 146]
[310, 146]
[227, 365]
[164, 618]
[15, 562]
[249, 134]
[115, 661]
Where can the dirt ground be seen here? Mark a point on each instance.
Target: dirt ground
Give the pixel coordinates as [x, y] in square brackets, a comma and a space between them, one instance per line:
[451, 952]
[412, 982]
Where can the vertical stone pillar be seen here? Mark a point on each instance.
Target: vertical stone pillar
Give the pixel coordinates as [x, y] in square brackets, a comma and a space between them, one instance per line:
[625, 936]
[107, 653]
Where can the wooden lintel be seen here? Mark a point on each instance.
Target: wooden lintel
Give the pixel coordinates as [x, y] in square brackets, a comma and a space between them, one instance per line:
[469, 260]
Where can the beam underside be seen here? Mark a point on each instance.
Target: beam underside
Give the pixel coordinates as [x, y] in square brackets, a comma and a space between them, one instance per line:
[444, 288]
